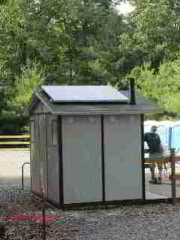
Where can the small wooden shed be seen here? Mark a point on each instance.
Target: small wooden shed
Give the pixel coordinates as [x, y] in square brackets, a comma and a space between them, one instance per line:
[87, 144]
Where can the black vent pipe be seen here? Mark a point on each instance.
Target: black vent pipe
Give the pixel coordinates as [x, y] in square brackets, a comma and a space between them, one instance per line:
[132, 94]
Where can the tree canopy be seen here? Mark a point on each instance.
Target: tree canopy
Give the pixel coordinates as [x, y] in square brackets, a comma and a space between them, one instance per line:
[88, 42]
[155, 39]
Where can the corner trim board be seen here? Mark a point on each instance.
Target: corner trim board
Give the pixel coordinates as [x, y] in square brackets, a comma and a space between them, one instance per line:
[142, 158]
[61, 182]
[103, 160]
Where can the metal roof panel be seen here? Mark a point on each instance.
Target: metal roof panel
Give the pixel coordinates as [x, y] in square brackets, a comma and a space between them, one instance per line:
[84, 94]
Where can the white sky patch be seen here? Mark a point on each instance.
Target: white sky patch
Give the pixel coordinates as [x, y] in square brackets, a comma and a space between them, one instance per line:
[125, 8]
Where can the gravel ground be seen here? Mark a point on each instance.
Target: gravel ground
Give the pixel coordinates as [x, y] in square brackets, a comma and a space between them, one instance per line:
[140, 222]
[148, 222]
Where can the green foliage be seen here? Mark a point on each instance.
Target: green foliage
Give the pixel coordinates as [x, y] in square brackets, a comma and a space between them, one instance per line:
[88, 42]
[156, 30]
[73, 41]
[163, 87]
[9, 120]
[30, 79]
[67, 38]
[15, 101]
[3, 99]
[12, 41]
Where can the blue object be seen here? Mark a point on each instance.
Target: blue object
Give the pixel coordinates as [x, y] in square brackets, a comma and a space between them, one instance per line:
[175, 141]
[164, 133]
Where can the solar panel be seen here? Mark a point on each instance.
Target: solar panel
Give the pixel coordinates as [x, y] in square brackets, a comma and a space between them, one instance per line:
[84, 94]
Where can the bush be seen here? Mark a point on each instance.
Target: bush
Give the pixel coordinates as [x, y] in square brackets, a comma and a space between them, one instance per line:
[162, 86]
[11, 122]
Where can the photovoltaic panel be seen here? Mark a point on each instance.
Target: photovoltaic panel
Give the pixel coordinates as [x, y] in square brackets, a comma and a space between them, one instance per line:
[84, 94]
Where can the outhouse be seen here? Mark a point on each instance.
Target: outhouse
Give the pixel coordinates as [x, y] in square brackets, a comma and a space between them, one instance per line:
[87, 144]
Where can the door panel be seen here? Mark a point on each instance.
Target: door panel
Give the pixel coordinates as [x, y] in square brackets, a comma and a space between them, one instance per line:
[82, 159]
[123, 171]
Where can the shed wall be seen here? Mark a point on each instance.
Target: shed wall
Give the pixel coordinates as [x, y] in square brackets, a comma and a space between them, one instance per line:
[40, 108]
[38, 149]
[35, 163]
[53, 159]
[39, 154]
[45, 154]
[82, 170]
[82, 151]
[123, 171]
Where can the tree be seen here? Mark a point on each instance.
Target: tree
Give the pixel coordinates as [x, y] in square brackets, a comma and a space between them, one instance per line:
[73, 41]
[65, 37]
[162, 87]
[31, 78]
[12, 52]
[156, 30]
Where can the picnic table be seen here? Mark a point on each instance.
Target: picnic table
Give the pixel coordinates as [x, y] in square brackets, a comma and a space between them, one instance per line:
[165, 158]
[159, 162]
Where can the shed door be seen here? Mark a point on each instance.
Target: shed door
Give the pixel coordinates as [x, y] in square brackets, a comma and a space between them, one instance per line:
[82, 159]
[123, 171]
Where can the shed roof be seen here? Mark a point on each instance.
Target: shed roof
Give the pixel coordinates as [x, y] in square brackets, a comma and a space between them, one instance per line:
[76, 106]
[84, 94]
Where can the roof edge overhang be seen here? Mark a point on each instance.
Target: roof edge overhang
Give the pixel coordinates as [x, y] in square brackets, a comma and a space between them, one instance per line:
[131, 111]
[36, 98]
[143, 107]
